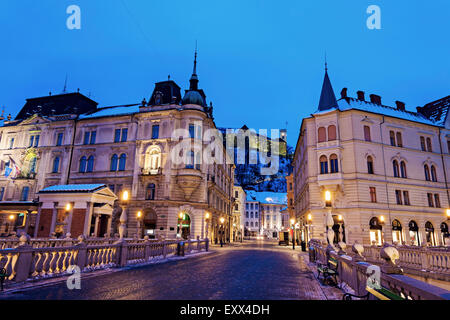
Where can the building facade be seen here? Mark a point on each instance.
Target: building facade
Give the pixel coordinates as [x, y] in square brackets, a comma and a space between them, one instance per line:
[238, 213]
[154, 150]
[380, 172]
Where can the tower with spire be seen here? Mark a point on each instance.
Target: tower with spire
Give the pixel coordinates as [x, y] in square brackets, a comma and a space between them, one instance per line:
[327, 98]
[194, 95]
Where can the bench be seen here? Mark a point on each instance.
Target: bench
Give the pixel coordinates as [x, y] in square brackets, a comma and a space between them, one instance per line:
[329, 271]
[381, 294]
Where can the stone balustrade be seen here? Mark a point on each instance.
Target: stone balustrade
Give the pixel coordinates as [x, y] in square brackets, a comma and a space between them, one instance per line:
[29, 260]
[354, 274]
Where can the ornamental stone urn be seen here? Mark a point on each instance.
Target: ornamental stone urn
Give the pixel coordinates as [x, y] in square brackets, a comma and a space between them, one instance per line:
[358, 249]
[390, 254]
[342, 246]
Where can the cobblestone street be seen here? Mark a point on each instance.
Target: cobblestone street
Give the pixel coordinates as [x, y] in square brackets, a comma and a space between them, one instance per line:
[252, 271]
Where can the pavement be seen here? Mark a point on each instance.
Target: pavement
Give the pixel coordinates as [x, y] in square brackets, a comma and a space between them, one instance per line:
[253, 270]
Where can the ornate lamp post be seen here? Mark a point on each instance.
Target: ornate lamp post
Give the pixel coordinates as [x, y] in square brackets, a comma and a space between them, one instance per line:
[139, 229]
[341, 229]
[329, 220]
[222, 220]
[242, 232]
[382, 220]
[447, 212]
[123, 216]
[207, 216]
[308, 225]
[293, 233]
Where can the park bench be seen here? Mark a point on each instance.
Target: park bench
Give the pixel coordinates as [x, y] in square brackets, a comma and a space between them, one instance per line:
[381, 294]
[329, 271]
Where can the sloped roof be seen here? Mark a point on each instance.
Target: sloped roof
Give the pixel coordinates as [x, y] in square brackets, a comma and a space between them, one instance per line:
[327, 97]
[112, 111]
[351, 103]
[437, 110]
[69, 188]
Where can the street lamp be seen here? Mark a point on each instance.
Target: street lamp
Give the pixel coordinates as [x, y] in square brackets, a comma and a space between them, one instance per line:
[139, 217]
[309, 222]
[242, 232]
[68, 207]
[207, 216]
[123, 217]
[293, 233]
[382, 220]
[327, 199]
[222, 220]
[448, 214]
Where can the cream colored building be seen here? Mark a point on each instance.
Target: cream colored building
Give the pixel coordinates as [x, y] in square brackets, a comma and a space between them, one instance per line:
[133, 148]
[386, 169]
[238, 213]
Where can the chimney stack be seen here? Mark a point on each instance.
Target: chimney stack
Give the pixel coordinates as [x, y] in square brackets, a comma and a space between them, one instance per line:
[376, 99]
[360, 95]
[400, 105]
[344, 93]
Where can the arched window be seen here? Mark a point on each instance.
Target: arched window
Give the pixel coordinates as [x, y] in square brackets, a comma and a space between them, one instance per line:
[367, 133]
[429, 145]
[323, 165]
[429, 233]
[395, 168]
[83, 162]
[113, 165]
[370, 165]
[334, 163]
[397, 235]
[55, 168]
[403, 169]
[153, 159]
[90, 164]
[332, 133]
[122, 162]
[150, 192]
[427, 172]
[322, 134]
[433, 174]
[24, 195]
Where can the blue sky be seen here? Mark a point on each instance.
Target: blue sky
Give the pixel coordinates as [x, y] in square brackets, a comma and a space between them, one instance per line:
[260, 62]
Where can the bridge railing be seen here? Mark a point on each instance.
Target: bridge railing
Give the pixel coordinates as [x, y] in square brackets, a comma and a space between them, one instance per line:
[25, 262]
[354, 274]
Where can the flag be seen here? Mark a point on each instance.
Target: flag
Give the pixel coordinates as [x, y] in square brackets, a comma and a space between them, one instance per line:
[7, 171]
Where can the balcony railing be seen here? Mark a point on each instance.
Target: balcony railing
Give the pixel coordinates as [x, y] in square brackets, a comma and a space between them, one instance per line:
[151, 172]
[26, 175]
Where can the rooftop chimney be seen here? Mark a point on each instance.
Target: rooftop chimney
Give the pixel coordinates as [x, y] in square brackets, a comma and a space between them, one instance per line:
[376, 99]
[344, 93]
[400, 105]
[360, 95]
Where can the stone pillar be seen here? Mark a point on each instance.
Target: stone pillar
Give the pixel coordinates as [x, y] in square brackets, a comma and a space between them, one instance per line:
[36, 224]
[88, 218]
[69, 219]
[108, 228]
[54, 216]
[27, 221]
[97, 219]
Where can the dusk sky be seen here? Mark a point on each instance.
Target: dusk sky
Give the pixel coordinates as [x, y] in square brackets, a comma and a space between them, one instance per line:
[261, 63]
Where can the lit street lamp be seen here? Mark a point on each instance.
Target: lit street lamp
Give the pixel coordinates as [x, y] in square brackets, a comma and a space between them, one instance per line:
[293, 233]
[448, 214]
[222, 220]
[139, 229]
[207, 216]
[123, 217]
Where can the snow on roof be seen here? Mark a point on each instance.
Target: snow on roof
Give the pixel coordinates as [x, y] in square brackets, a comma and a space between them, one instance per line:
[74, 188]
[112, 111]
[388, 111]
[267, 197]
[355, 104]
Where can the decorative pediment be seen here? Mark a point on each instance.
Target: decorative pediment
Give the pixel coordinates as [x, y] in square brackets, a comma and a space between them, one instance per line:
[35, 119]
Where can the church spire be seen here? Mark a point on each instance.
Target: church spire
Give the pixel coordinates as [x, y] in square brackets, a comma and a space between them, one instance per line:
[327, 97]
[194, 79]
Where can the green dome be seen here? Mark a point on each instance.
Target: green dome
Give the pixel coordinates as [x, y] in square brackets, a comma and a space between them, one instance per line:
[193, 97]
